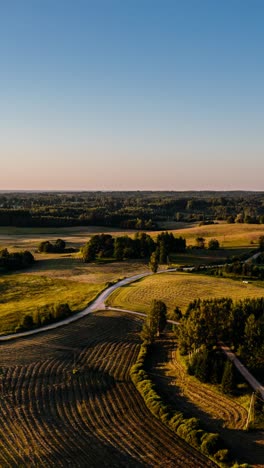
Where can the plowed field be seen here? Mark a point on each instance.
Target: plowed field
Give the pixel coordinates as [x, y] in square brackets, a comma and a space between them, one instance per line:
[66, 399]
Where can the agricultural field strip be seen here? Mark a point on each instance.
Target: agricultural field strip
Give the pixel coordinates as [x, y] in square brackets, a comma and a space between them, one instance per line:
[66, 411]
[233, 414]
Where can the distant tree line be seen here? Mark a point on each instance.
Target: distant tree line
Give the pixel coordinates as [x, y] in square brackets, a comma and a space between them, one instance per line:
[129, 210]
[10, 261]
[140, 246]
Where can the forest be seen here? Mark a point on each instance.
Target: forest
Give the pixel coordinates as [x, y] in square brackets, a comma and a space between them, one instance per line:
[144, 210]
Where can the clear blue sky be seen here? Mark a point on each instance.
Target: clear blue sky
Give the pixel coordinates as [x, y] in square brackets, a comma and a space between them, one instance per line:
[132, 94]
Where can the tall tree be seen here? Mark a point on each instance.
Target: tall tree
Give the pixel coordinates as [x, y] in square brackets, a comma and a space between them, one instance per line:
[153, 262]
[228, 379]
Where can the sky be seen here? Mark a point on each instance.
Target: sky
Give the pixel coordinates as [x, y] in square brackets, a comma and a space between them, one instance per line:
[132, 95]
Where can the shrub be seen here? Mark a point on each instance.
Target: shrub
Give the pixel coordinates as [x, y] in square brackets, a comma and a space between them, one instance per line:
[210, 443]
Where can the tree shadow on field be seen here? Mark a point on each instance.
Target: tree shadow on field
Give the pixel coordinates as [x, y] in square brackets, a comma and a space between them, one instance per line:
[63, 262]
[245, 447]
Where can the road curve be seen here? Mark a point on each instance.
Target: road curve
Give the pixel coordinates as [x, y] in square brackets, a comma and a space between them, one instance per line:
[97, 304]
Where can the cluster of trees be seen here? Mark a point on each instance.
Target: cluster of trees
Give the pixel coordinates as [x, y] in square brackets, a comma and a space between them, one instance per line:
[239, 324]
[210, 365]
[213, 244]
[59, 246]
[131, 210]
[15, 260]
[239, 269]
[43, 316]
[124, 247]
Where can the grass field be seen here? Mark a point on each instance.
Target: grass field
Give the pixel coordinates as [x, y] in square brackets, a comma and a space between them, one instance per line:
[67, 400]
[178, 289]
[22, 294]
[29, 238]
[229, 235]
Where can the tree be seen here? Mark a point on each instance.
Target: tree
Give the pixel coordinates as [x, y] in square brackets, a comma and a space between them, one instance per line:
[228, 379]
[59, 245]
[200, 242]
[213, 244]
[62, 311]
[155, 321]
[157, 316]
[261, 243]
[153, 262]
[88, 253]
[177, 313]
[147, 334]
[27, 322]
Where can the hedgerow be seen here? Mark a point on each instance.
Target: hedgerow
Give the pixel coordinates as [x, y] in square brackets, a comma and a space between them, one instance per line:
[189, 429]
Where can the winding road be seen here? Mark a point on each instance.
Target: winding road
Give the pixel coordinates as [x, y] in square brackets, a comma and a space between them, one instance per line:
[99, 304]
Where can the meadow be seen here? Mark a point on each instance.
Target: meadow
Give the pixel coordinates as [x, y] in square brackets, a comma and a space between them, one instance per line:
[65, 278]
[178, 289]
[236, 235]
[22, 294]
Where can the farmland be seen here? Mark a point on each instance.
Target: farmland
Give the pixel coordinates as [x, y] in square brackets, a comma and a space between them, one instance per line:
[216, 411]
[67, 400]
[66, 395]
[178, 289]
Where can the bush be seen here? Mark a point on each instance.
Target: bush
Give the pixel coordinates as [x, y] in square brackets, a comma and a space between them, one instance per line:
[210, 444]
[222, 455]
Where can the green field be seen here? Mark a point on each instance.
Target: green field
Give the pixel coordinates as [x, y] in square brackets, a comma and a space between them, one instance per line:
[22, 294]
[178, 289]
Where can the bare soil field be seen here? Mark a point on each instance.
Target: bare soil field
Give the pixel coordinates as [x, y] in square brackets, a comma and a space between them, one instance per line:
[217, 412]
[66, 399]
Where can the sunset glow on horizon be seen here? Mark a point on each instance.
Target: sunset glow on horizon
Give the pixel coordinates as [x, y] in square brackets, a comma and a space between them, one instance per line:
[142, 95]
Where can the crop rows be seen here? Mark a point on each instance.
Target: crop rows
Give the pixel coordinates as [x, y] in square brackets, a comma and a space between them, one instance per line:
[66, 399]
